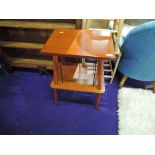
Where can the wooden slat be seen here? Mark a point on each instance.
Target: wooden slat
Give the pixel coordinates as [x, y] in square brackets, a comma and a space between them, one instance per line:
[92, 64]
[31, 63]
[35, 25]
[108, 76]
[13, 44]
[106, 65]
[107, 70]
[106, 30]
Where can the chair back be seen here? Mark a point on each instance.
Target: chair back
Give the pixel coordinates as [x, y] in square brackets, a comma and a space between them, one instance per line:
[138, 59]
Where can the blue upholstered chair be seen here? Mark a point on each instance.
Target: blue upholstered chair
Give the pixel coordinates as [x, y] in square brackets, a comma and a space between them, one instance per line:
[138, 54]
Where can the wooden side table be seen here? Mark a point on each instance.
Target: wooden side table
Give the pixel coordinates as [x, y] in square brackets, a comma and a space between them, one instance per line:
[82, 44]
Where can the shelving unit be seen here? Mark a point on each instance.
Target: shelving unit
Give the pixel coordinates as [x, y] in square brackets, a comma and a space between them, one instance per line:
[29, 36]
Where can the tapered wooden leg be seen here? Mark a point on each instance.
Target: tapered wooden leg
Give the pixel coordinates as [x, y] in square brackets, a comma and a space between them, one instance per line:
[56, 97]
[148, 86]
[115, 68]
[154, 86]
[121, 84]
[98, 101]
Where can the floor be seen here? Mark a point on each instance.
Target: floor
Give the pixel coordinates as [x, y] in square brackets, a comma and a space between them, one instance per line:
[26, 107]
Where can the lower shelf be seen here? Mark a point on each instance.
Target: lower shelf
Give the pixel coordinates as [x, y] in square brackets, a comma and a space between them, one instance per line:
[77, 87]
[77, 77]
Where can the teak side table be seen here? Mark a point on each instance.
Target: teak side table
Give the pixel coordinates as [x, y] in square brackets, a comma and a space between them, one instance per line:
[86, 77]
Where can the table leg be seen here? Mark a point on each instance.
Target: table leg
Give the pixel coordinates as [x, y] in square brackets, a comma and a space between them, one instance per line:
[98, 101]
[56, 97]
[55, 69]
[100, 75]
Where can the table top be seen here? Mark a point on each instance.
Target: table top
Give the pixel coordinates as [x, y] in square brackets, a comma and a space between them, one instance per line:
[80, 43]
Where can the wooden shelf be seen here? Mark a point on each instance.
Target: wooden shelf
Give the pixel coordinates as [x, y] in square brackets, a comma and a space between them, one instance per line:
[25, 45]
[35, 25]
[31, 63]
[71, 86]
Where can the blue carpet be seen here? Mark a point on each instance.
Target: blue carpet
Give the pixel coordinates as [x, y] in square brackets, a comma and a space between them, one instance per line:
[26, 108]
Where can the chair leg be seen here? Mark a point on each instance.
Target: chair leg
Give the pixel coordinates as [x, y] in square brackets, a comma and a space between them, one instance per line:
[115, 68]
[151, 87]
[154, 86]
[121, 84]
[148, 86]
